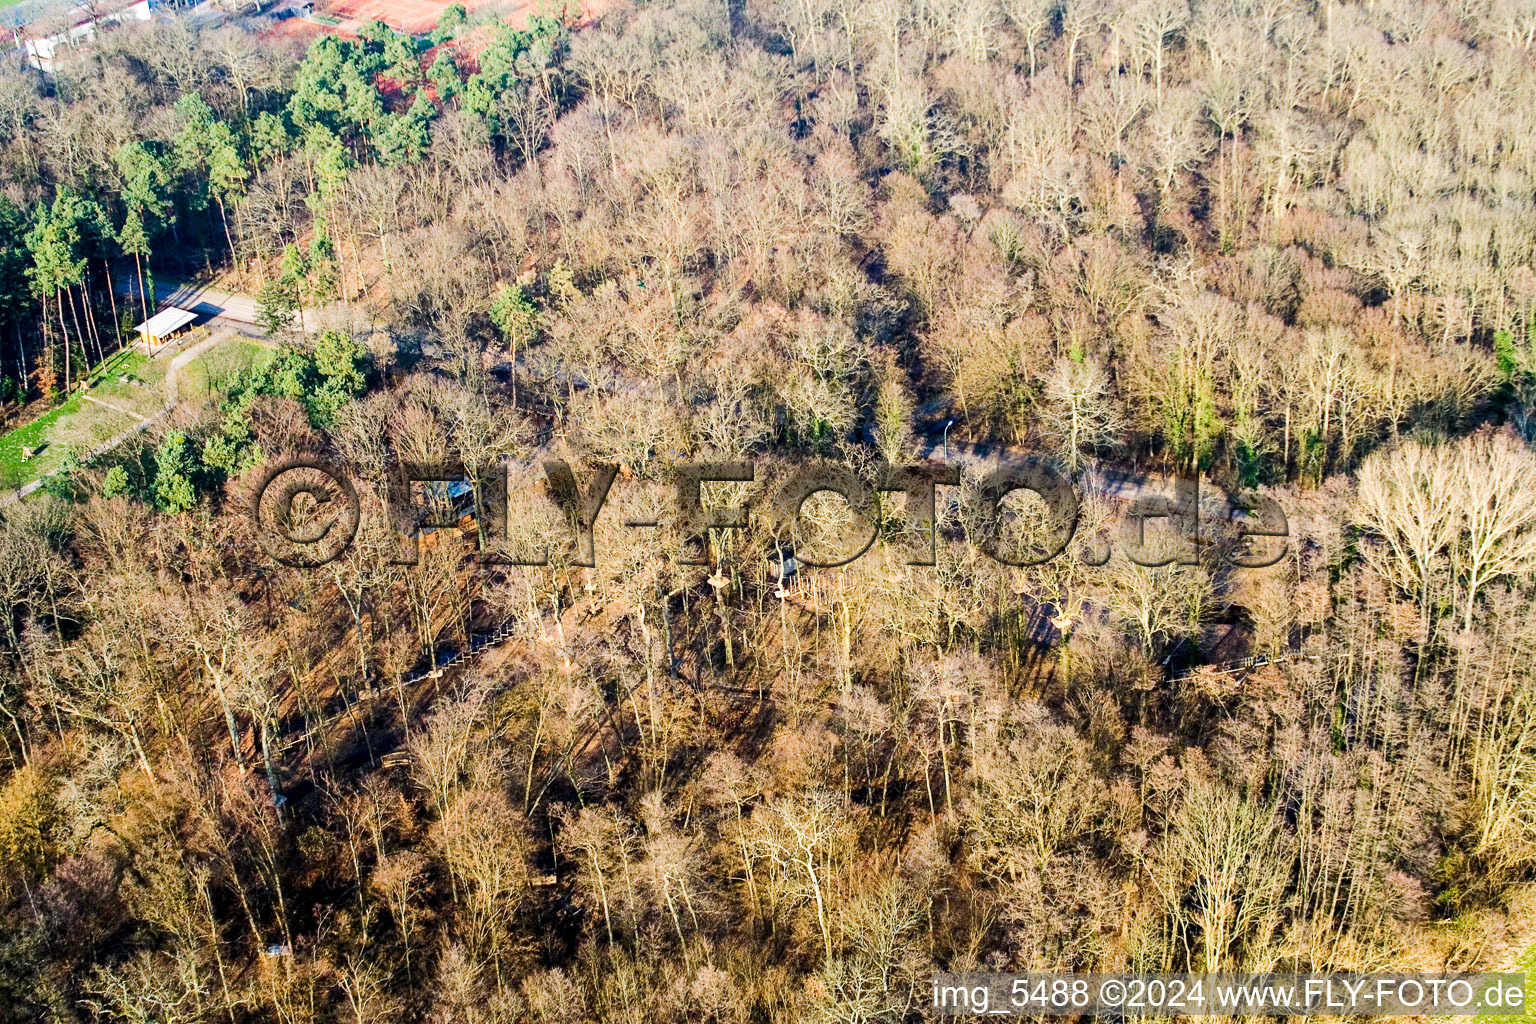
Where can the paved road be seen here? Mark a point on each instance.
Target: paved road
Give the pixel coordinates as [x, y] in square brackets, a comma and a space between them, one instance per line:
[214, 306]
[240, 309]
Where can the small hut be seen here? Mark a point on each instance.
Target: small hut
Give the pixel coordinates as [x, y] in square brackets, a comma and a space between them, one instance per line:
[164, 326]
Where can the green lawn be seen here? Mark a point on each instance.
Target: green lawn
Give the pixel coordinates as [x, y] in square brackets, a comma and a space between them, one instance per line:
[81, 425]
[76, 425]
[133, 364]
[134, 385]
[133, 381]
[210, 371]
[13, 472]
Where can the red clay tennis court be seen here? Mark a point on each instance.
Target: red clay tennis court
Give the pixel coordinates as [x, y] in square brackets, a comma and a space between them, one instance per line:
[415, 16]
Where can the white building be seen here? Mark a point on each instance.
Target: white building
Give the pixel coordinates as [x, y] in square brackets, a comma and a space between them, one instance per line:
[82, 21]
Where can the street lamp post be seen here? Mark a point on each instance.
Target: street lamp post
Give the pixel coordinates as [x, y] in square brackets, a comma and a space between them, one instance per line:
[947, 425]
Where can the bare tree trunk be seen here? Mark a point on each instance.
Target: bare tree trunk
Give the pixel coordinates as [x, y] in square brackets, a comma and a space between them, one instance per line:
[143, 299]
[117, 325]
[64, 330]
[90, 319]
[21, 367]
[234, 259]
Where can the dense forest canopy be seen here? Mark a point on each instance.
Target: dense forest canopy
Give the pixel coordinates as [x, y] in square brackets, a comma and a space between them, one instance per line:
[1284, 245]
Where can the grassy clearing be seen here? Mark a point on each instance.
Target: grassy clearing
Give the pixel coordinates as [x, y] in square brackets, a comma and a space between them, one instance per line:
[133, 381]
[134, 365]
[37, 434]
[79, 426]
[211, 371]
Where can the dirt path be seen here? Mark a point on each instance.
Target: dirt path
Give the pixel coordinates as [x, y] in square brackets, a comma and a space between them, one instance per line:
[181, 359]
[110, 405]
